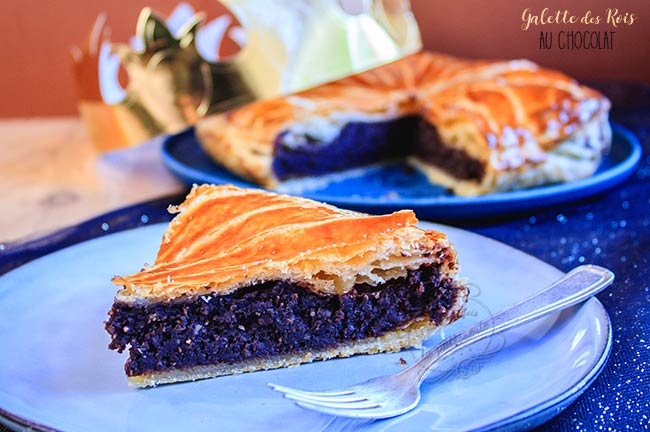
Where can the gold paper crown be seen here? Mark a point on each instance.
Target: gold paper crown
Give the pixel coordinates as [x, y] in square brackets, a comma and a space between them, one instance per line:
[288, 46]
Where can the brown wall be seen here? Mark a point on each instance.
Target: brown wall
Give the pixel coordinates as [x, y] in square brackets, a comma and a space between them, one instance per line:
[36, 79]
[493, 30]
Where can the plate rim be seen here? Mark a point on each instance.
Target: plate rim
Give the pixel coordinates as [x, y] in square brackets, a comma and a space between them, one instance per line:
[552, 407]
[599, 181]
[523, 420]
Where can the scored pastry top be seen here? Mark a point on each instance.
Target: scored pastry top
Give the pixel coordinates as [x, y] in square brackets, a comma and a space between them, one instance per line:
[224, 238]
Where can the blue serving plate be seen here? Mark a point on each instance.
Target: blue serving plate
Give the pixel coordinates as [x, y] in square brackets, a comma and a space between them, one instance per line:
[394, 187]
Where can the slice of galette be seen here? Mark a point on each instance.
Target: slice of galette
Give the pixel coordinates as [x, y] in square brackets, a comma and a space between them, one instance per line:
[247, 280]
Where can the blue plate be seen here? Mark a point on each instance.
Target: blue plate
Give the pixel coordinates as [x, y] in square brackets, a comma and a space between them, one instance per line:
[395, 187]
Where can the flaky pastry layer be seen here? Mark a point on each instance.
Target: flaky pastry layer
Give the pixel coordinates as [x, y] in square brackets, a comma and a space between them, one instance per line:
[224, 238]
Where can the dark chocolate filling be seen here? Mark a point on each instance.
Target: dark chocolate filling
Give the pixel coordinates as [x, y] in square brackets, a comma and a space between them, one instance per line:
[357, 144]
[363, 143]
[271, 318]
[458, 163]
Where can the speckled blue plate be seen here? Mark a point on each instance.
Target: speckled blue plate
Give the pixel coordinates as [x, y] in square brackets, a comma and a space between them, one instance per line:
[394, 187]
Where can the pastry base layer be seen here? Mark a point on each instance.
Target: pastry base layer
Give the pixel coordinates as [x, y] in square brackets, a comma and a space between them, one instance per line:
[414, 334]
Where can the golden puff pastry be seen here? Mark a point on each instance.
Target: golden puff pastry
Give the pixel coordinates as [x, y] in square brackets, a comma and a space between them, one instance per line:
[473, 126]
[247, 279]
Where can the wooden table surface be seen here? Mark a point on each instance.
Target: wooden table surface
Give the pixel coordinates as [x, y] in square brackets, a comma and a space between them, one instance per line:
[53, 177]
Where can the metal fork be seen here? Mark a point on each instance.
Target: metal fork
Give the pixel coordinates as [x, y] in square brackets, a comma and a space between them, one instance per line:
[392, 395]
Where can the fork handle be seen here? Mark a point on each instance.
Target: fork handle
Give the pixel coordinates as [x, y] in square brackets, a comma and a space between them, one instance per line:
[575, 287]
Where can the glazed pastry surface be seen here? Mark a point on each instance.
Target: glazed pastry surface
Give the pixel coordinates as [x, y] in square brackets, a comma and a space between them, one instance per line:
[225, 238]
